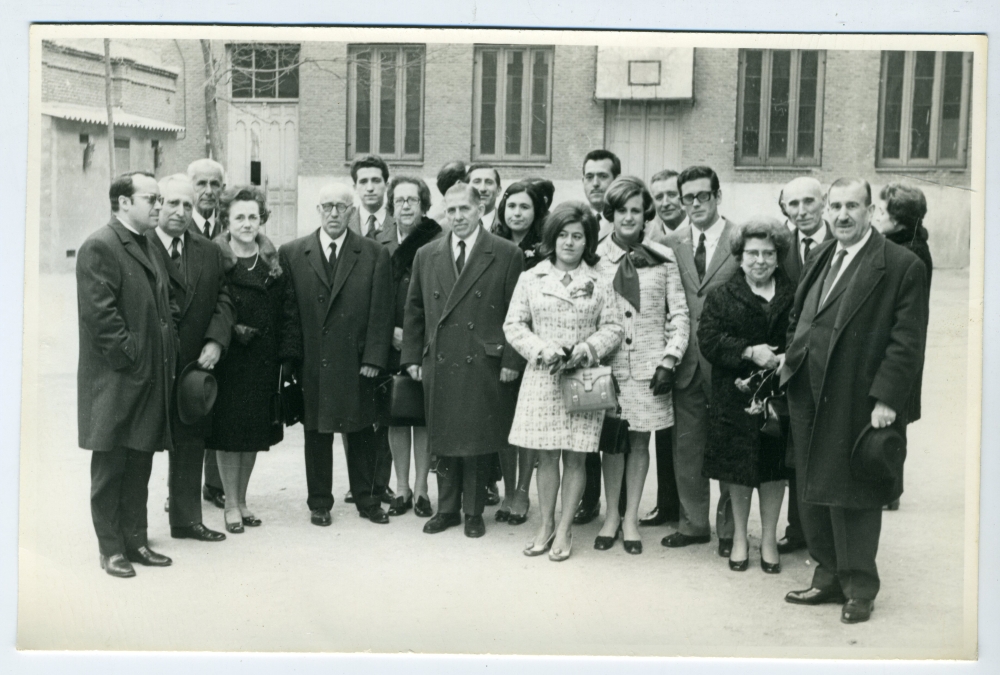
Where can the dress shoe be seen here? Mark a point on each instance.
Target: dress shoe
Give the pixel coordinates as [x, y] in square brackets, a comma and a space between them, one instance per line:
[442, 522]
[502, 515]
[492, 495]
[375, 514]
[816, 596]
[560, 556]
[252, 521]
[632, 546]
[400, 505]
[517, 518]
[604, 543]
[725, 547]
[531, 551]
[388, 495]
[117, 566]
[144, 556]
[235, 526]
[891, 506]
[214, 496]
[422, 507]
[586, 513]
[856, 611]
[679, 539]
[787, 545]
[657, 517]
[197, 531]
[320, 517]
[474, 526]
[349, 498]
[770, 568]
[739, 565]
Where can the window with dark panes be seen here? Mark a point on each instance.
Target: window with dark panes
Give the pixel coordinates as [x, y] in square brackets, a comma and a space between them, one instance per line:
[512, 103]
[780, 107]
[265, 71]
[386, 95]
[924, 108]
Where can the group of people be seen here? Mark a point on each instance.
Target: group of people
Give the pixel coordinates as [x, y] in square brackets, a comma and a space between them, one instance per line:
[757, 353]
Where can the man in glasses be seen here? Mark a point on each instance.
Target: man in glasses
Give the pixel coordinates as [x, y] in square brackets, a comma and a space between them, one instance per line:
[341, 320]
[126, 371]
[705, 261]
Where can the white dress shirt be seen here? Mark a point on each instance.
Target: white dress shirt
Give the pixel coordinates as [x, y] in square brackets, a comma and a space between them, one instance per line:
[168, 241]
[817, 237]
[712, 236]
[325, 241]
[364, 215]
[470, 242]
[489, 220]
[852, 251]
[200, 220]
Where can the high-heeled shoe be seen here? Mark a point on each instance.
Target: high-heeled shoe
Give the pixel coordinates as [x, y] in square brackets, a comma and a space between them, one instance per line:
[770, 568]
[739, 565]
[604, 543]
[531, 551]
[518, 518]
[251, 520]
[633, 546]
[235, 528]
[502, 515]
[562, 555]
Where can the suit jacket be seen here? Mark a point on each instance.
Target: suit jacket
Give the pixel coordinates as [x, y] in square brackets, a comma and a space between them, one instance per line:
[722, 266]
[128, 348]
[791, 262]
[876, 352]
[216, 228]
[354, 225]
[453, 327]
[205, 309]
[339, 327]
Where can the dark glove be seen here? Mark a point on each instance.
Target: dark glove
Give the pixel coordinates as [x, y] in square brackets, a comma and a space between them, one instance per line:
[662, 382]
[245, 333]
[288, 370]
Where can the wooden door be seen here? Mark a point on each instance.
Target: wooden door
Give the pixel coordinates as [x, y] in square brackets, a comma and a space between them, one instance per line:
[645, 135]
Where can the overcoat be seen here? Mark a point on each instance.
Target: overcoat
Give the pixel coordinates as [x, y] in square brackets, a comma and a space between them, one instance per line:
[876, 354]
[791, 262]
[401, 257]
[128, 344]
[205, 311]
[453, 327]
[339, 327]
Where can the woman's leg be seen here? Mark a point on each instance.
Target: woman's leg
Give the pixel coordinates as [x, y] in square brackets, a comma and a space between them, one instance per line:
[548, 491]
[421, 461]
[771, 494]
[526, 459]
[636, 468]
[574, 480]
[247, 460]
[229, 471]
[508, 469]
[740, 496]
[613, 467]
[399, 445]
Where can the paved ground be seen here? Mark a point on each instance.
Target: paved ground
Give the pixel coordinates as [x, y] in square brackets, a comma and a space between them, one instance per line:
[355, 586]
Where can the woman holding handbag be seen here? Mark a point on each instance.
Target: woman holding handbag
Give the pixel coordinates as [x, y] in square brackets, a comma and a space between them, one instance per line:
[742, 334]
[562, 316]
[648, 287]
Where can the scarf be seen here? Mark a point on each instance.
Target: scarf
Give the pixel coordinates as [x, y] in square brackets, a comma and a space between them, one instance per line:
[402, 257]
[626, 281]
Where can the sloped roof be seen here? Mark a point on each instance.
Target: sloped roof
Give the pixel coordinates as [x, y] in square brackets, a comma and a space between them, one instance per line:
[83, 113]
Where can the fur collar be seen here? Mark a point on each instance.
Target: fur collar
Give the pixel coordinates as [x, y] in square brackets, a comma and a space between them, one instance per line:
[268, 253]
[402, 257]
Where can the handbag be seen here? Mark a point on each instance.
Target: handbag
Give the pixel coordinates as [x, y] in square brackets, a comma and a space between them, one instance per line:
[287, 406]
[776, 417]
[614, 435]
[277, 409]
[588, 389]
[406, 401]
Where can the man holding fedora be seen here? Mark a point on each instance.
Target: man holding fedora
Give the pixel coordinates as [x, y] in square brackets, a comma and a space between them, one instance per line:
[204, 324]
[856, 348]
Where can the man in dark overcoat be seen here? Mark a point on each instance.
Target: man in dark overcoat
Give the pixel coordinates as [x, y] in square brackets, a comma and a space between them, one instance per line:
[128, 356]
[453, 341]
[340, 306]
[204, 326]
[856, 347]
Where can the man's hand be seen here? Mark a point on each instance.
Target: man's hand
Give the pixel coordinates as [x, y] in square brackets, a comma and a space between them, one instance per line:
[369, 371]
[397, 339]
[882, 415]
[415, 372]
[508, 375]
[210, 355]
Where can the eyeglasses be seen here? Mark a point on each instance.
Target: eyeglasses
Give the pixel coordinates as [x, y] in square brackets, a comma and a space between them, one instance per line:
[406, 201]
[702, 197]
[340, 207]
[766, 255]
[148, 197]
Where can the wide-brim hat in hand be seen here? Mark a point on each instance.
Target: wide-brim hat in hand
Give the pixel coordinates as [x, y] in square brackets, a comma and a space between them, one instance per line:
[877, 460]
[196, 392]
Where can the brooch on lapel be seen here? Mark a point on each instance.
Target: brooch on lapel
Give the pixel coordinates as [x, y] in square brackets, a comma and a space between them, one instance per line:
[586, 291]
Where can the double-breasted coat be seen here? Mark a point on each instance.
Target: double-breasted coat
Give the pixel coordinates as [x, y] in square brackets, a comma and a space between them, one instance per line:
[876, 353]
[340, 326]
[453, 328]
[128, 344]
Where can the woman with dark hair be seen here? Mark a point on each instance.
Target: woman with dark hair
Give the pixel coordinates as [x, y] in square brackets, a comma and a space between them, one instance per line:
[648, 288]
[742, 334]
[249, 375]
[562, 315]
[407, 201]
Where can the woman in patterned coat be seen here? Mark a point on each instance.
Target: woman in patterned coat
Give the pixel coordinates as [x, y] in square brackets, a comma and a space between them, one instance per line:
[562, 306]
[655, 317]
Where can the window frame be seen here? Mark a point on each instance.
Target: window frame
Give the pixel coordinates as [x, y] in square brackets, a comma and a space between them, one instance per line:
[527, 103]
[762, 158]
[252, 71]
[375, 76]
[933, 161]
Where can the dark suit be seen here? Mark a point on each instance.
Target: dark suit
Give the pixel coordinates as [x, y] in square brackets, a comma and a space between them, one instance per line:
[864, 344]
[198, 284]
[216, 228]
[128, 356]
[341, 327]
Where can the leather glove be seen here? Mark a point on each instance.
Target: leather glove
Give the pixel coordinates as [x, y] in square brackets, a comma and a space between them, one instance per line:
[288, 370]
[662, 382]
[244, 333]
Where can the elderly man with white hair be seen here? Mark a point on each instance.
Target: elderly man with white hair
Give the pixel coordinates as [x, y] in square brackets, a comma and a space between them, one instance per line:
[209, 180]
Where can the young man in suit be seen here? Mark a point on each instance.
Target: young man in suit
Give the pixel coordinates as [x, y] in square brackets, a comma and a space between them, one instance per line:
[198, 283]
[341, 307]
[857, 333]
[125, 379]
[453, 341]
[705, 261]
[486, 179]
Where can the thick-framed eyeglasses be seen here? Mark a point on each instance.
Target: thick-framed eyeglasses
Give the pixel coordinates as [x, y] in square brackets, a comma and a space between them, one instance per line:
[406, 201]
[702, 197]
[339, 207]
[766, 255]
[148, 197]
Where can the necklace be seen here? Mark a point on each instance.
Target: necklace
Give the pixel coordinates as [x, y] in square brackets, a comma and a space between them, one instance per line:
[256, 259]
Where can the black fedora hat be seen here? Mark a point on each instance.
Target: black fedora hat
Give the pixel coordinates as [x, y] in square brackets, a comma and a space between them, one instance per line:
[196, 392]
[877, 460]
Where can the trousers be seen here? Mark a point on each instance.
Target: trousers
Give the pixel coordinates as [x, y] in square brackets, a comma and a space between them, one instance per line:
[462, 483]
[184, 482]
[119, 488]
[362, 468]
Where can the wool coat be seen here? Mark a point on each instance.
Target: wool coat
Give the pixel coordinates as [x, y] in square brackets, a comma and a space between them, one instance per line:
[454, 328]
[338, 328]
[792, 262]
[876, 353]
[128, 344]
[401, 257]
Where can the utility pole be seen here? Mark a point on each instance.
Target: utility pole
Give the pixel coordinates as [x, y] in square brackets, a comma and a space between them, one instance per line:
[107, 101]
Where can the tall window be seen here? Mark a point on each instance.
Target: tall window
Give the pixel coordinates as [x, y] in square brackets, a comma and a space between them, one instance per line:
[265, 71]
[924, 108]
[123, 155]
[386, 101]
[512, 103]
[780, 107]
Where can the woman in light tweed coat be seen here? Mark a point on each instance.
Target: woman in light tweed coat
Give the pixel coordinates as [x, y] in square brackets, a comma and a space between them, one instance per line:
[655, 317]
[561, 304]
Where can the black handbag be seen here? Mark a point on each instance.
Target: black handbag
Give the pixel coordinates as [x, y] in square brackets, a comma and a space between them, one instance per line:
[287, 406]
[406, 401]
[775, 423]
[614, 434]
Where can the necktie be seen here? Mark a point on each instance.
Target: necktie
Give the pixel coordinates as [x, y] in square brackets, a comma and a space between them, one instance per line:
[831, 276]
[460, 261]
[806, 245]
[175, 251]
[208, 230]
[699, 257]
[372, 227]
[331, 262]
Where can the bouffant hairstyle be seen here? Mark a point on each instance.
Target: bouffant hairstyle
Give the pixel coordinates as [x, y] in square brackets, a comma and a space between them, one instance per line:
[905, 204]
[242, 193]
[565, 214]
[767, 228]
[450, 173]
[623, 189]
[423, 192]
